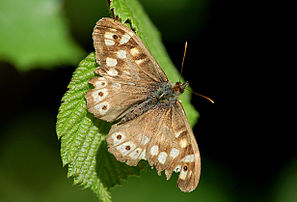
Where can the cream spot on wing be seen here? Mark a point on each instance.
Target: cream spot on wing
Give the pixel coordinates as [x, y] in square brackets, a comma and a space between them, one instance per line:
[134, 51]
[102, 107]
[118, 138]
[126, 148]
[177, 168]
[183, 174]
[108, 35]
[183, 143]
[112, 72]
[125, 38]
[121, 54]
[154, 150]
[162, 157]
[144, 140]
[142, 155]
[135, 153]
[138, 62]
[174, 153]
[111, 62]
[109, 42]
[188, 158]
[100, 83]
[100, 95]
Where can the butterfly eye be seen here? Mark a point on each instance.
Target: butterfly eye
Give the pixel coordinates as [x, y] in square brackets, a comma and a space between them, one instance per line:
[128, 148]
[185, 168]
[115, 36]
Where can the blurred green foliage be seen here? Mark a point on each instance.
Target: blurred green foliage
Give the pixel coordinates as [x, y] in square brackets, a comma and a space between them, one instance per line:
[34, 34]
[30, 164]
[167, 17]
[285, 187]
[151, 187]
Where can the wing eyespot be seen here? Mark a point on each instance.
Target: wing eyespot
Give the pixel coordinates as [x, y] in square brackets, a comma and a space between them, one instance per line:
[119, 137]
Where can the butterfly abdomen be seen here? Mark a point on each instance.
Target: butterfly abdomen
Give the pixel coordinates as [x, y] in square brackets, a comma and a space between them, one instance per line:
[138, 109]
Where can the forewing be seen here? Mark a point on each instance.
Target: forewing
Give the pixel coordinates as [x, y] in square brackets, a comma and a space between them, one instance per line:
[162, 136]
[109, 98]
[129, 72]
[122, 55]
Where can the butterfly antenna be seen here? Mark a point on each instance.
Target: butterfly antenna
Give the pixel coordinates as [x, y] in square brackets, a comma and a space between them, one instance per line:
[182, 66]
[209, 99]
[181, 72]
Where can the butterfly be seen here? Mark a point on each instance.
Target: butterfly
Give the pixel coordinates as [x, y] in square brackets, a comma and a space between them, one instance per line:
[134, 90]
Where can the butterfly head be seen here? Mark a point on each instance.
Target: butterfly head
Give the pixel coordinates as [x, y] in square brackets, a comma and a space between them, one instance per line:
[179, 87]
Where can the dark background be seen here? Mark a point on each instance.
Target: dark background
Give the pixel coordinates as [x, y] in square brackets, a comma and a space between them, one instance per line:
[230, 58]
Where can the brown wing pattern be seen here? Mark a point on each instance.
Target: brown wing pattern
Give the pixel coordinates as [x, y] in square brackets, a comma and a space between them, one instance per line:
[164, 138]
[193, 166]
[111, 98]
[122, 55]
[128, 69]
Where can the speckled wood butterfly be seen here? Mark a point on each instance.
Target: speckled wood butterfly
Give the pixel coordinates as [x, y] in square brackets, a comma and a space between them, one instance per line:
[134, 90]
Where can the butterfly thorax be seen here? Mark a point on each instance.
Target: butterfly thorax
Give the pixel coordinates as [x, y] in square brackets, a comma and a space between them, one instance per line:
[167, 93]
[164, 95]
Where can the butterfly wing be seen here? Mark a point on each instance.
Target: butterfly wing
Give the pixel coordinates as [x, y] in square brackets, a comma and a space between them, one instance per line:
[109, 98]
[162, 136]
[128, 70]
[192, 174]
[122, 55]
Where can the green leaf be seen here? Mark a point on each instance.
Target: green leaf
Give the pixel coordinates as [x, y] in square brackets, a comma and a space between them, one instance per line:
[131, 11]
[34, 34]
[83, 145]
